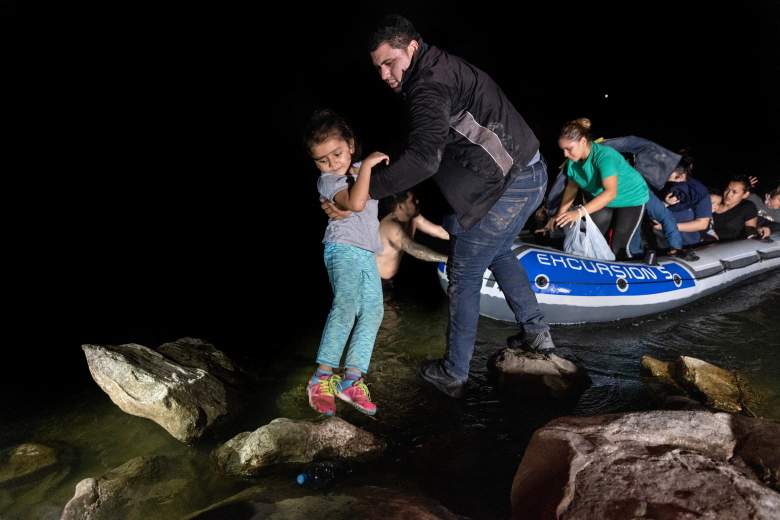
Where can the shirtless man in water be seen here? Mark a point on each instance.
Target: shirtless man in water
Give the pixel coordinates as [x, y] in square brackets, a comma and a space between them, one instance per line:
[397, 231]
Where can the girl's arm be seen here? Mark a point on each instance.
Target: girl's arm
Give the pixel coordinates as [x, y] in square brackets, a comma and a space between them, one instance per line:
[355, 198]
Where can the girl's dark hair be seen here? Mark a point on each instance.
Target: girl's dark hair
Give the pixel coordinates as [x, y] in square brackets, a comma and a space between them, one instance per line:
[576, 130]
[742, 179]
[325, 123]
[774, 193]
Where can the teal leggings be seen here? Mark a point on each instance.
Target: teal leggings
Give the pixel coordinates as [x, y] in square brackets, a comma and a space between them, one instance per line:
[357, 300]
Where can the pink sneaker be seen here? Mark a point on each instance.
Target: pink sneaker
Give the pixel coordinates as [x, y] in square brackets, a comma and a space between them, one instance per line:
[320, 391]
[357, 395]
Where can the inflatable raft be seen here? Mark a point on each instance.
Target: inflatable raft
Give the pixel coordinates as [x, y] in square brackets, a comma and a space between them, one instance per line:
[573, 289]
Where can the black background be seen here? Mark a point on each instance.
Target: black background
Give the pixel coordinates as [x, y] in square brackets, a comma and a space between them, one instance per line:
[172, 196]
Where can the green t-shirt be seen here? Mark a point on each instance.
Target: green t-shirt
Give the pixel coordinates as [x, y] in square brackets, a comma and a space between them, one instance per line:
[603, 162]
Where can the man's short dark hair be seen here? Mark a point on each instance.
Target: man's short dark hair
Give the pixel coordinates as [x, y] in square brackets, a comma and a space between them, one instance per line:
[395, 30]
[389, 203]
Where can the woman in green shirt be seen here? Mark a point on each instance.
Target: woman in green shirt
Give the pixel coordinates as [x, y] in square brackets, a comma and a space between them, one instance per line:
[617, 193]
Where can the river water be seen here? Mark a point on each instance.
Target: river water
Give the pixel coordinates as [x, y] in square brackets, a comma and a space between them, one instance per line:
[460, 453]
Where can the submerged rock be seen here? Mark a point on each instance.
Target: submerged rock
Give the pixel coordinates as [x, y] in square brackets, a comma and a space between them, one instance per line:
[287, 441]
[26, 462]
[718, 387]
[366, 502]
[661, 465]
[178, 393]
[537, 375]
[30, 476]
[660, 370]
[714, 386]
[140, 489]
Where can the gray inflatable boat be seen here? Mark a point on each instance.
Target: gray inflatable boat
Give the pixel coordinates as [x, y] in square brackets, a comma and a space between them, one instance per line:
[573, 289]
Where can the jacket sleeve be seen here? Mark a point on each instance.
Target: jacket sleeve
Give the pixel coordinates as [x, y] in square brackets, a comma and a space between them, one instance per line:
[652, 160]
[555, 196]
[429, 113]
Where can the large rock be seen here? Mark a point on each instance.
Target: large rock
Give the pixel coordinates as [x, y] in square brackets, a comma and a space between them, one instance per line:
[142, 488]
[287, 441]
[366, 502]
[182, 397]
[660, 465]
[714, 386]
[537, 375]
[758, 445]
[200, 354]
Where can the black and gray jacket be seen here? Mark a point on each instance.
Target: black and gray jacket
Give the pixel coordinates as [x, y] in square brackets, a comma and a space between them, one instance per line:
[463, 130]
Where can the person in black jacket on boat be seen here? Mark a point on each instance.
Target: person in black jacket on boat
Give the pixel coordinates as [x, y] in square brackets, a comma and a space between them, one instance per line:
[468, 136]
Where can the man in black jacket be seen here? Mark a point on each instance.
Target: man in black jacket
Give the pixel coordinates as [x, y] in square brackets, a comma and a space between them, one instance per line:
[467, 135]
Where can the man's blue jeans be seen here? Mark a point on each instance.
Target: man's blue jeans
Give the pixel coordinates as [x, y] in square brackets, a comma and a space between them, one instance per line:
[488, 245]
[689, 238]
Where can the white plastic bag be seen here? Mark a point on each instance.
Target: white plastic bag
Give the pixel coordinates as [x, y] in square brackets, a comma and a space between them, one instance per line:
[587, 242]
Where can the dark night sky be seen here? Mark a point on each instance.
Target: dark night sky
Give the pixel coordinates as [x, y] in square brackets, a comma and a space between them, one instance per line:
[191, 208]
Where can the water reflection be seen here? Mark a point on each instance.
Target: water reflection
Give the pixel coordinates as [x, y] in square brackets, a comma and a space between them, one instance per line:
[462, 453]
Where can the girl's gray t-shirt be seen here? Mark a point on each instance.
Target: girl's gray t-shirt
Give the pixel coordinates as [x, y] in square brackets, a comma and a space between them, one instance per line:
[361, 229]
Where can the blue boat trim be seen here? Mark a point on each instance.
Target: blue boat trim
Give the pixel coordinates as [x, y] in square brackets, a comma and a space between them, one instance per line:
[567, 274]
[573, 289]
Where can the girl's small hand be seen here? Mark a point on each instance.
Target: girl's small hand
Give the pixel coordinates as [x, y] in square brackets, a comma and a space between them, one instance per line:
[376, 158]
[671, 200]
[568, 218]
[332, 211]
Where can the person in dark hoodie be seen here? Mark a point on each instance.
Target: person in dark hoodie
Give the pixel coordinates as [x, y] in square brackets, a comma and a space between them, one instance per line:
[689, 201]
[467, 135]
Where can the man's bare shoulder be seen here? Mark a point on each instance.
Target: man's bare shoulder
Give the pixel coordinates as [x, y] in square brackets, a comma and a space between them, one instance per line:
[391, 228]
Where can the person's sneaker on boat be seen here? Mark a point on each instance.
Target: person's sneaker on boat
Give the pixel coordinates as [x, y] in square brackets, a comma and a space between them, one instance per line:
[683, 254]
